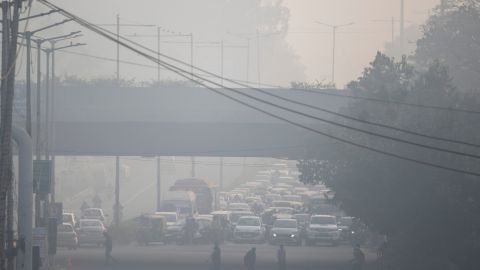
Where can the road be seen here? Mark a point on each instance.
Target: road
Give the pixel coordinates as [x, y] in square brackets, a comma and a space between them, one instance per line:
[195, 257]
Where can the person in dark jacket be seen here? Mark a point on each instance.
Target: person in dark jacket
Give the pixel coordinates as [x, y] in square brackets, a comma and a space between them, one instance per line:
[215, 258]
[108, 248]
[250, 259]
[282, 258]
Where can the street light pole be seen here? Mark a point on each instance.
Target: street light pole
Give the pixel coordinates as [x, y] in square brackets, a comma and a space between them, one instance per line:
[118, 50]
[52, 126]
[159, 29]
[334, 30]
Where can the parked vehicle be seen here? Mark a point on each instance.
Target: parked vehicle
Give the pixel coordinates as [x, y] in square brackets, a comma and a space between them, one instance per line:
[322, 228]
[285, 231]
[249, 229]
[90, 231]
[66, 236]
[151, 229]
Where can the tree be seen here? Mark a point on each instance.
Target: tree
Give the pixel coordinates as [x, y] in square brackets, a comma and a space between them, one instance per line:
[431, 217]
[453, 38]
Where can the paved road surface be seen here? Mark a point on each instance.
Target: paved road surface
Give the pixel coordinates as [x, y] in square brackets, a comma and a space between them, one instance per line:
[195, 257]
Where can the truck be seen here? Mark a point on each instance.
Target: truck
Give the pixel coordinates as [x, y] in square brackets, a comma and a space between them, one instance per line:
[204, 192]
[184, 203]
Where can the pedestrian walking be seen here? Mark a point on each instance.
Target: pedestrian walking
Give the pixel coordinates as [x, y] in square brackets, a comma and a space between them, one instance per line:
[282, 258]
[215, 258]
[250, 259]
[108, 248]
[84, 206]
[358, 260]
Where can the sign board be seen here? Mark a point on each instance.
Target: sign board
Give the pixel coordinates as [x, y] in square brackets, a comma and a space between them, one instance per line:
[39, 236]
[42, 176]
[55, 210]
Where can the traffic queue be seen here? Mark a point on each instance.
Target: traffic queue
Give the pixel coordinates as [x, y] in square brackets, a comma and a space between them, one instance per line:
[273, 207]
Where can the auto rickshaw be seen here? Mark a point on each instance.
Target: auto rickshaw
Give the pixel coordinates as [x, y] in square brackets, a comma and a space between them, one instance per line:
[151, 229]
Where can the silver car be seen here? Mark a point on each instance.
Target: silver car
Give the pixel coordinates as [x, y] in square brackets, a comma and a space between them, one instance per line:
[90, 231]
[249, 229]
[285, 231]
[323, 228]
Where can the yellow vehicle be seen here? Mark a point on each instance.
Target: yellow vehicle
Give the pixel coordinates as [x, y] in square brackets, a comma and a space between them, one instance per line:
[151, 229]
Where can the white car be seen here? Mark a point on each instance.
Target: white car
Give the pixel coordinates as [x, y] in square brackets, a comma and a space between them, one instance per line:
[90, 231]
[322, 228]
[249, 229]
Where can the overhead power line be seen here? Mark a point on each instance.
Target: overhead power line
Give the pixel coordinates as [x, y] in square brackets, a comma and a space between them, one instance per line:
[186, 74]
[102, 58]
[440, 149]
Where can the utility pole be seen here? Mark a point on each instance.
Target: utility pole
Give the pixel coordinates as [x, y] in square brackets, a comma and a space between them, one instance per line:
[258, 59]
[118, 50]
[51, 108]
[402, 26]
[47, 103]
[192, 172]
[117, 25]
[38, 100]
[9, 47]
[159, 29]
[117, 192]
[248, 62]
[334, 32]
[221, 59]
[191, 54]
[159, 186]
[28, 37]
[220, 184]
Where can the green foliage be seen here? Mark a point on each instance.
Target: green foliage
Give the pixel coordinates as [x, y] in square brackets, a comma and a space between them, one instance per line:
[312, 85]
[430, 216]
[454, 39]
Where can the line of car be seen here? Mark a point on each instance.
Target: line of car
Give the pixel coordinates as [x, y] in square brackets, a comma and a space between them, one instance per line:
[88, 230]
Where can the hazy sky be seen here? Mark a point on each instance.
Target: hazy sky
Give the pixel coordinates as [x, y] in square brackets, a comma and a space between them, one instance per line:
[312, 43]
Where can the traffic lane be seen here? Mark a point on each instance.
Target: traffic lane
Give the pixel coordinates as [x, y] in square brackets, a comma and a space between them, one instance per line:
[196, 257]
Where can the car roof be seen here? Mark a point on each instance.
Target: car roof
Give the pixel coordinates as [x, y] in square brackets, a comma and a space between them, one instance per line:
[323, 216]
[286, 219]
[90, 220]
[254, 217]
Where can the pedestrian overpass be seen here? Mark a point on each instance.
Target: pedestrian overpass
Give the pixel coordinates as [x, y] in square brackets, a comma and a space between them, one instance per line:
[181, 121]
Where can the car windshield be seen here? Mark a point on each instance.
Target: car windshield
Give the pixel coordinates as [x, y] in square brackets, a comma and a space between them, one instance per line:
[67, 218]
[239, 206]
[323, 220]
[293, 198]
[248, 222]
[170, 217]
[346, 221]
[64, 228]
[235, 216]
[282, 223]
[90, 223]
[282, 204]
[92, 212]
